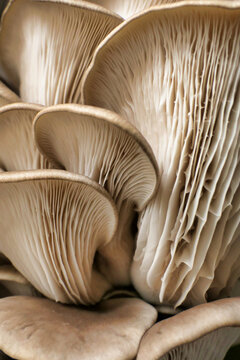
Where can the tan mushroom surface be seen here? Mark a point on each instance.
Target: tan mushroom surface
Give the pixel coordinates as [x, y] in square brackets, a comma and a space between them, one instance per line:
[101, 145]
[127, 8]
[39, 329]
[204, 332]
[45, 47]
[7, 96]
[18, 150]
[184, 98]
[52, 224]
[14, 283]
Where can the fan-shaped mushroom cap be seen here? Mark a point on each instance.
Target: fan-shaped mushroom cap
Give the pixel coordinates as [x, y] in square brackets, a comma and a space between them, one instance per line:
[39, 329]
[6, 95]
[46, 45]
[101, 145]
[127, 8]
[204, 332]
[14, 282]
[18, 150]
[184, 98]
[52, 223]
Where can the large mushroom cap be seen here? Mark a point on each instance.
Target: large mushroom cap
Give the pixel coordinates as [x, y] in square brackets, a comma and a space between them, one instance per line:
[52, 224]
[184, 98]
[18, 150]
[204, 332]
[101, 145]
[39, 329]
[45, 47]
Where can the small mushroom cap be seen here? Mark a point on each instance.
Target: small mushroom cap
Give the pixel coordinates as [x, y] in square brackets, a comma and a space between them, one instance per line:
[7, 96]
[101, 145]
[204, 332]
[40, 329]
[52, 224]
[184, 98]
[18, 150]
[46, 45]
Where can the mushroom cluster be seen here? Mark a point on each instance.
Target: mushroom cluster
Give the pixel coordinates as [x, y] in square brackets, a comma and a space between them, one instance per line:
[119, 179]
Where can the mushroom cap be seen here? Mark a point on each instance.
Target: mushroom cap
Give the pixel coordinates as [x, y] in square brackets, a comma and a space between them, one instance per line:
[18, 150]
[40, 329]
[52, 224]
[184, 98]
[101, 145]
[206, 331]
[6, 95]
[46, 45]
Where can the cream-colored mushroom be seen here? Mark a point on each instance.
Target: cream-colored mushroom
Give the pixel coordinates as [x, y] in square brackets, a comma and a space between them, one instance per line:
[7, 96]
[18, 150]
[40, 329]
[46, 46]
[127, 8]
[52, 224]
[173, 72]
[101, 145]
[204, 332]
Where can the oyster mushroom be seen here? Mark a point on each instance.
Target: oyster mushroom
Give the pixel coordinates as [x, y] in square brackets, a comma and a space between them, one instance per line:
[18, 150]
[111, 330]
[204, 332]
[52, 224]
[184, 98]
[101, 145]
[45, 47]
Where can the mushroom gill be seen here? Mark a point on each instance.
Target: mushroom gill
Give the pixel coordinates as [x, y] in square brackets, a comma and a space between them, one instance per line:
[46, 46]
[52, 224]
[18, 150]
[173, 72]
[101, 145]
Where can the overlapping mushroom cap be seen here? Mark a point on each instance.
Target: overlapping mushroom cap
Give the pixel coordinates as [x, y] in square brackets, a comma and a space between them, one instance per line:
[52, 224]
[204, 332]
[39, 329]
[173, 72]
[101, 145]
[45, 47]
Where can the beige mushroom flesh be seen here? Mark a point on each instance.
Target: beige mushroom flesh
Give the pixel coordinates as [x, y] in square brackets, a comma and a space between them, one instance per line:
[184, 98]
